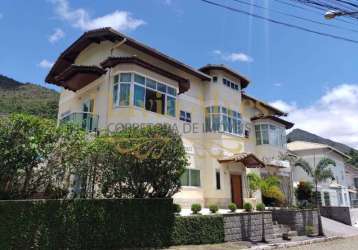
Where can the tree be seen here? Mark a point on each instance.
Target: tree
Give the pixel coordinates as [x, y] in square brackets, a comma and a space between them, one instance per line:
[149, 165]
[354, 158]
[37, 157]
[320, 173]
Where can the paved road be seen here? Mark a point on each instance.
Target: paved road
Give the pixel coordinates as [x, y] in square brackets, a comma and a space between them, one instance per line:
[343, 244]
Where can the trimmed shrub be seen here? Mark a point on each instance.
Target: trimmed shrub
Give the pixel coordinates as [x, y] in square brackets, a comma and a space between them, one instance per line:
[232, 207]
[248, 207]
[260, 207]
[206, 229]
[213, 208]
[195, 208]
[176, 208]
[86, 224]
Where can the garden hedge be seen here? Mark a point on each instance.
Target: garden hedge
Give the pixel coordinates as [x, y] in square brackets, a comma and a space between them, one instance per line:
[198, 229]
[87, 224]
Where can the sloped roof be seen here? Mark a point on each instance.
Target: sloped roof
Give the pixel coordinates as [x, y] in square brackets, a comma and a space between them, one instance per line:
[287, 124]
[248, 159]
[303, 145]
[244, 81]
[264, 104]
[69, 56]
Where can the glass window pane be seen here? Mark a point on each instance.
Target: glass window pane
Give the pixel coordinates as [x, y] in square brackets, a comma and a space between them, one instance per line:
[258, 134]
[184, 178]
[218, 182]
[208, 124]
[224, 110]
[139, 93]
[172, 91]
[229, 121]
[240, 127]
[139, 79]
[264, 134]
[215, 109]
[116, 79]
[182, 115]
[171, 106]
[161, 87]
[195, 177]
[115, 94]
[151, 84]
[188, 117]
[215, 122]
[235, 129]
[126, 77]
[124, 94]
[154, 101]
[225, 123]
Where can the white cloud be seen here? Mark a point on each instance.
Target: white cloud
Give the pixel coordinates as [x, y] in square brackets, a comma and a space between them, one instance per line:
[80, 18]
[57, 35]
[233, 57]
[333, 116]
[277, 84]
[45, 64]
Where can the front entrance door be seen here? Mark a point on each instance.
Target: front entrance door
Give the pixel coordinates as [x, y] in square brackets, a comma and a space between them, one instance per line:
[236, 190]
[87, 119]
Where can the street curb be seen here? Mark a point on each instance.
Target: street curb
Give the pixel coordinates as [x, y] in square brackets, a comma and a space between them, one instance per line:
[294, 244]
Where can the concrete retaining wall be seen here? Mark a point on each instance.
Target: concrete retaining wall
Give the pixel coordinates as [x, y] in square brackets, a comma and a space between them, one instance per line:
[341, 214]
[297, 220]
[248, 226]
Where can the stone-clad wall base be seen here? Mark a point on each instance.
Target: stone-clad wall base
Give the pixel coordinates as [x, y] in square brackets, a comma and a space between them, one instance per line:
[297, 220]
[248, 226]
[341, 214]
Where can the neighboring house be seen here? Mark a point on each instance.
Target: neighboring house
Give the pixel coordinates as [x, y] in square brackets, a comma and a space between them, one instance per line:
[110, 79]
[352, 182]
[333, 193]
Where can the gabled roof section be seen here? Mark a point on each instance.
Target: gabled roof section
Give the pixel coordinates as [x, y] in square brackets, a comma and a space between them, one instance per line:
[248, 159]
[244, 81]
[276, 111]
[69, 56]
[287, 124]
[303, 145]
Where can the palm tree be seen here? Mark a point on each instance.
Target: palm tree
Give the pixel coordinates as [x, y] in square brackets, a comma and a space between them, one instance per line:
[321, 173]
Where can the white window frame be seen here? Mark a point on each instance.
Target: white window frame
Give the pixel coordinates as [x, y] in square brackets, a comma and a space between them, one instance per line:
[221, 117]
[281, 136]
[131, 92]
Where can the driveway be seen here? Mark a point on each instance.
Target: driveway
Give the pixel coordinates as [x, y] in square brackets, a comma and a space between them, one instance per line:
[334, 228]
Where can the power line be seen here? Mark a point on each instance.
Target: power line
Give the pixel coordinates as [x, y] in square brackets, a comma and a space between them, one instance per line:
[295, 16]
[279, 22]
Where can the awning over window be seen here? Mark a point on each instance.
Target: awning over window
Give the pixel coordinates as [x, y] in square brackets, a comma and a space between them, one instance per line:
[76, 77]
[248, 159]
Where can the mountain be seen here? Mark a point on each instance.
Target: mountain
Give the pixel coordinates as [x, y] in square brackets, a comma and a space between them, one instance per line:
[302, 135]
[17, 97]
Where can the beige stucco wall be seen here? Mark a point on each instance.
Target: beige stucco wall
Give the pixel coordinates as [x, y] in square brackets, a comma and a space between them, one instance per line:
[204, 149]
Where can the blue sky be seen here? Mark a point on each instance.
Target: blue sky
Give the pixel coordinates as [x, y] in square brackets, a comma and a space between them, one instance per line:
[297, 71]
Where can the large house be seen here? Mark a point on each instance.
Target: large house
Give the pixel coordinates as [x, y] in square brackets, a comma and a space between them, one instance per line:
[335, 192]
[110, 79]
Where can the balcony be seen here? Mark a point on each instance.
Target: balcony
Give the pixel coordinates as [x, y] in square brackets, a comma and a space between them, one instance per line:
[85, 120]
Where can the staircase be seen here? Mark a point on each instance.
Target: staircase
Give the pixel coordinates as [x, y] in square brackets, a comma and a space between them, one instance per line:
[281, 231]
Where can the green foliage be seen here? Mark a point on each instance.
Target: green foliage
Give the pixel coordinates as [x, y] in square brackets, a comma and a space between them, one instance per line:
[260, 207]
[309, 230]
[304, 194]
[254, 182]
[36, 156]
[150, 163]
[195, 208]
[354, 158]
[248, 207]
[176, 208]
[213, 208]
[16, 97]
[88, 224]
[271, 192]
[206, 229]
[232, 207]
